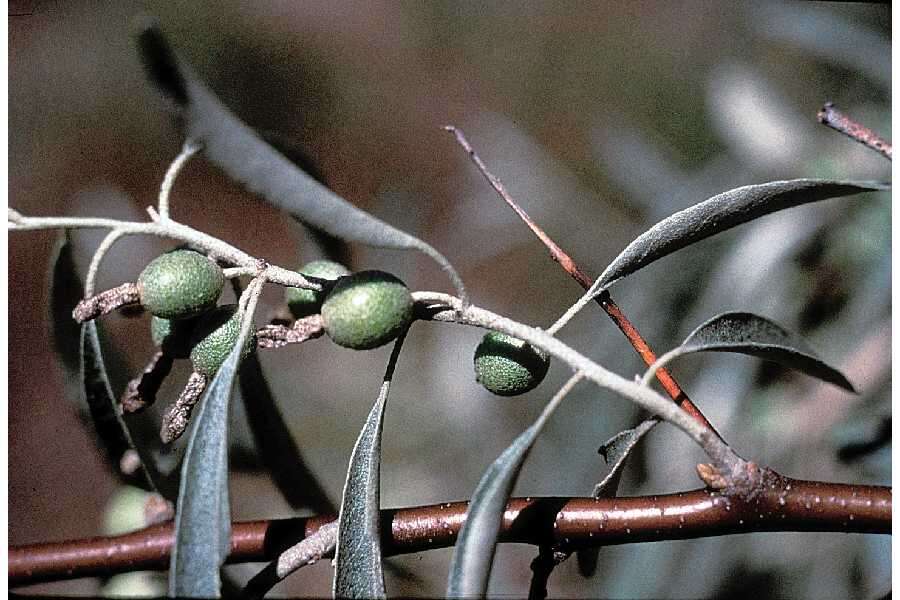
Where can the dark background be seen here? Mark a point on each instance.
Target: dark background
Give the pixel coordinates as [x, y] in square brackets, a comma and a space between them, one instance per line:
[601, 118]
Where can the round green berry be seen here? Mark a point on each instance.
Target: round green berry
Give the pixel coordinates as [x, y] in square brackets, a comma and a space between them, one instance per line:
[180, 284]
[214, 337]
[367, 309]
[308, 302]
[172, 336]
[508, 366]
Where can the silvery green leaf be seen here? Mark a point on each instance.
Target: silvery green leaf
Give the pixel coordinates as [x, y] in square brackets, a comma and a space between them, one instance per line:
[720, 213]
[105, 411]
[473, 556]
[615, 451]
[203, 516]
[358, 568]
[747, 333]
[244, 156]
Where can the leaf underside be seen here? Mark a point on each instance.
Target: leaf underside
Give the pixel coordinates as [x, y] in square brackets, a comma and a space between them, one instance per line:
[358, 568]
[473, 556]
[203, 516]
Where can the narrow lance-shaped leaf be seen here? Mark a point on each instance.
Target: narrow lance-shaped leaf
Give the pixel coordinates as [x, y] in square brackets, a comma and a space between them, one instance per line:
[203, 515]
[720, 213]
[747, 333]
[104, 408]
[244, 156]
[87, 378]
[615, 451]
[473, 556]
[358, 568]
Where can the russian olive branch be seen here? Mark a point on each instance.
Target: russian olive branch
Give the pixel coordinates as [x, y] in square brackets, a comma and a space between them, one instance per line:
[444, 307]
[173, 230]
[722, 456]
[571, 267]
[786, 505]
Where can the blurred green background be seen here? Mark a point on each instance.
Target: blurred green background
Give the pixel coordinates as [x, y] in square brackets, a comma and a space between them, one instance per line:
[601, 118]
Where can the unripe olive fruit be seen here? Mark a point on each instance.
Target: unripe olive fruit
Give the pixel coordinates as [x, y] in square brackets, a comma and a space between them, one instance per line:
[172, 336]
[367, 309]
[214, 338]
[508, 366]
[308, 302]
[180, 284]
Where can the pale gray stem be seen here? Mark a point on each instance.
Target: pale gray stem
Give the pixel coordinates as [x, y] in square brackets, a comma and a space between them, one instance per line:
[189, 148]
[721, 454]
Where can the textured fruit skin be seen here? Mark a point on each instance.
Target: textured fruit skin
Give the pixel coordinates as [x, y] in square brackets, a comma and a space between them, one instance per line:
[180, 284]
[214, 338]
[308, 302]
[367, 309]
[508, 366]
[173, 337]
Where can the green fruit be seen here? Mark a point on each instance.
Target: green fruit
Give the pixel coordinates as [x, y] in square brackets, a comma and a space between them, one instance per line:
[308, 302]
[214, 338]
[180, 284]
[173, 337]
[508, 366]
[367, 309]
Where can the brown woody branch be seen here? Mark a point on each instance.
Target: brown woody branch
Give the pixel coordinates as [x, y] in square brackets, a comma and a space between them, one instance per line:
[605, 300]
[830, 116]
[567, 523]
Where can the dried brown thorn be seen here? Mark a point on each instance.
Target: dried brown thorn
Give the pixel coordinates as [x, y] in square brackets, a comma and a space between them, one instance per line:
[106, 302]
[177, 416]
[276, 336]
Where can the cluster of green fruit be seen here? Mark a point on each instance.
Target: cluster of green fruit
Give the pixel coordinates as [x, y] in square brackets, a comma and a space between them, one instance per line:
[363, 310]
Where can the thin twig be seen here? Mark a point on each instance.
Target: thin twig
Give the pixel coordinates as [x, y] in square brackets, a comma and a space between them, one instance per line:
[606, 302]
[791, 505]
[307, 551]
[189, 148]
[141, 391]
[107, 301]
[443, 307]
[835, 119]
[302, 330]
[111, 238]
[167, 229]
[542, 567]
